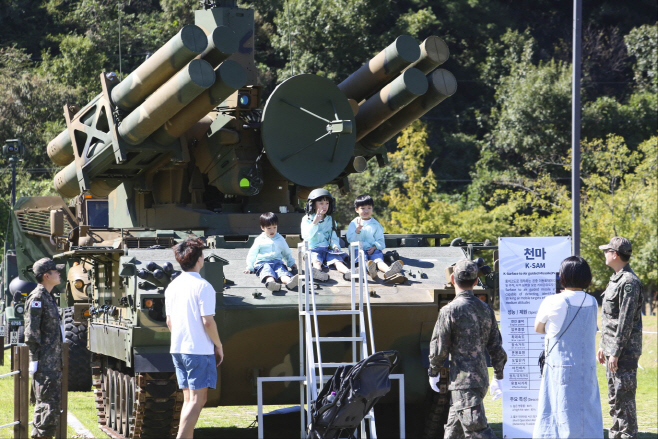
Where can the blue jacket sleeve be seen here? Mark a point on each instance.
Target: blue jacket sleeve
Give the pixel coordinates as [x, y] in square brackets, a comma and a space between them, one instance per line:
[352, 236]
[380, 242]
[308, 228]
[253, 254]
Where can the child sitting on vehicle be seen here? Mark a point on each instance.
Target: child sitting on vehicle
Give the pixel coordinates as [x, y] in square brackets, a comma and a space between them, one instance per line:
[366, 229]
[267, 255]
[319, 230]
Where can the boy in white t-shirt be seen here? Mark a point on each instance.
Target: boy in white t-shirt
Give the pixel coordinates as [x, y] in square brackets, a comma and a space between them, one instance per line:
[195, 345]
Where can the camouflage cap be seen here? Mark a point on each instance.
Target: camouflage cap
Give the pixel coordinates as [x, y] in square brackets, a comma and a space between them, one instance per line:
[44, 265]
[465, 270]
[620, 245]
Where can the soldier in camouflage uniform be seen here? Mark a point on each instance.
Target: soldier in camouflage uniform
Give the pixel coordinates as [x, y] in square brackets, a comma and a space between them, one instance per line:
[43, 335]
[466, 327]
[621, 337]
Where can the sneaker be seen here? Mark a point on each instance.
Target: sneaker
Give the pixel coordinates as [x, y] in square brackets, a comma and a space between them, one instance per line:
[372, 270]
[320, 275]
[273, 286]
[347, 276]
[397, 278]
[293, 282]
[396, 267]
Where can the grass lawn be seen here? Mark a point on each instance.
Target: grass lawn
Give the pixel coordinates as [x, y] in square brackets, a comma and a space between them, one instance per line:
[237, 422]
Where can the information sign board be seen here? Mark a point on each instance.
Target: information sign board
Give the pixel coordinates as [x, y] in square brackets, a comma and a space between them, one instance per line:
[528, 270]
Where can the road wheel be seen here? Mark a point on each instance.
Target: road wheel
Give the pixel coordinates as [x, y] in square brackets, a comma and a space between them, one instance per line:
[113, 394]
[79, 355]
[127, 408]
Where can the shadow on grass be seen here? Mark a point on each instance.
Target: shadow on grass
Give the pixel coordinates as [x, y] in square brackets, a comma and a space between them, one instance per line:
[497, 427]
[245, 433]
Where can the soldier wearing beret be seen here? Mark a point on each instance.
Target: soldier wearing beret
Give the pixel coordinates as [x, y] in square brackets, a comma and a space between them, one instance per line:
[621, 337]
[44, 335]
[466, 327]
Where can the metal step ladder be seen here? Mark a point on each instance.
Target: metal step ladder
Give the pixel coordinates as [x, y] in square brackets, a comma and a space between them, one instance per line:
[313, 364]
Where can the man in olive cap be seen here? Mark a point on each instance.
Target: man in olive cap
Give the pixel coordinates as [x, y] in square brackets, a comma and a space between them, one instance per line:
[44, 336]
[466, 327]
[621, 337]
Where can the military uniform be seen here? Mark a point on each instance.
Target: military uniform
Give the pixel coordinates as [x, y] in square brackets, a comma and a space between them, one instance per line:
[621, 336]
[43, 335]
[466, 327]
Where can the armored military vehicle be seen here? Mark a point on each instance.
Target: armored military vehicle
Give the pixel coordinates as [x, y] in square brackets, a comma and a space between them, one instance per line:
[183, 146]
[33, 239]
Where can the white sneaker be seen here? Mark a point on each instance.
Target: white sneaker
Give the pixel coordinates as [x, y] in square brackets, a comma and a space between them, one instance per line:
[395, 268]
[293, 282]
[372, 270]
[320, 275]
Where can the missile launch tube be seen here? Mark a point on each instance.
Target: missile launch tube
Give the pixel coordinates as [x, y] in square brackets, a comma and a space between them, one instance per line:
[179, 91]
[222, 43]
[381, 69]
[229, 76]
[433, 52]
[442, 84]
[390, 99]
[66, 181]
[60, 149]
[159, 67]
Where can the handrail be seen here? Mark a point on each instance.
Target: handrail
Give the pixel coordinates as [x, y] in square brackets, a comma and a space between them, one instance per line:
[16, 372]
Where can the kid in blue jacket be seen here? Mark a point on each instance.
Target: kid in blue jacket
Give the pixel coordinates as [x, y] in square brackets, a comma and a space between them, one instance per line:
[366, 229]
[318, 229]
[268, 254]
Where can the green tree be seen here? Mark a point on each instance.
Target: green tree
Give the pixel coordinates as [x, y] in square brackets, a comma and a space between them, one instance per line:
[412, 202]
[619, 199]
[642, 43]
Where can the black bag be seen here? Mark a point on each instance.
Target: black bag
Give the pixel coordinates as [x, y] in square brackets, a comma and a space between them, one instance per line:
[542, 359]
[357, 388]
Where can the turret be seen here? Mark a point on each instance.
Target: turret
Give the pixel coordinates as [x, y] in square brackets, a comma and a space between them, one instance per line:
[182, 141]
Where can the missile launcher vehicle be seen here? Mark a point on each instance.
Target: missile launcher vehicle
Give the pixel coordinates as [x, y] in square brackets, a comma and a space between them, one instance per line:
[186, 145]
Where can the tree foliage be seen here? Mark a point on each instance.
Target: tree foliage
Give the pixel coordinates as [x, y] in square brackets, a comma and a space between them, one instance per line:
[493, 160]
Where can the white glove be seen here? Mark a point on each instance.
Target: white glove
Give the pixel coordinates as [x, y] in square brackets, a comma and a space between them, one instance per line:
[495, 389]
[434, 382]
[33, 367]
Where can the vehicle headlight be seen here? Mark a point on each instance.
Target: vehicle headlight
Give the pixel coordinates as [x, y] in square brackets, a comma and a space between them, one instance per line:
[79, 284]
[19, 309]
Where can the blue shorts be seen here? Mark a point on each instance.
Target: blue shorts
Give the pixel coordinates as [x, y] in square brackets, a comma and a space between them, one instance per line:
[195, 371]
[376, 256]
[328, 257]
[275, 269]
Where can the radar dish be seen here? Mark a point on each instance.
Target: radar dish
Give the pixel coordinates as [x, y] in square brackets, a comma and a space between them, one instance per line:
[308, 130]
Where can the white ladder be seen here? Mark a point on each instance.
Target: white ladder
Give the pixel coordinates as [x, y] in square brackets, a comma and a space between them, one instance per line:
[309, 334]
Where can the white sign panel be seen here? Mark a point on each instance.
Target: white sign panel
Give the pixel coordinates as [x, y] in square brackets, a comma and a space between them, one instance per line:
[528, 269]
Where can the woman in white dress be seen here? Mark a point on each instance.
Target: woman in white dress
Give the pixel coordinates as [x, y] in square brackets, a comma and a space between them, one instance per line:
[569, 402]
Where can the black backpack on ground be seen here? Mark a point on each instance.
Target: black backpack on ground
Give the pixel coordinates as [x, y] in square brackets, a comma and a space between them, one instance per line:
[357, 388]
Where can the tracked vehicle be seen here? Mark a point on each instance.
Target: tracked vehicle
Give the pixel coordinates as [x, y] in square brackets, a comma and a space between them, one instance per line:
[186, 145]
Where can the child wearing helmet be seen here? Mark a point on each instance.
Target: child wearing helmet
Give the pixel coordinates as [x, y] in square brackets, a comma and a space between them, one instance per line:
[318, 229]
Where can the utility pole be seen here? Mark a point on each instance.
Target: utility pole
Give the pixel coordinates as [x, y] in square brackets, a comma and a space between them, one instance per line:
[12, 148]
[575, 126]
